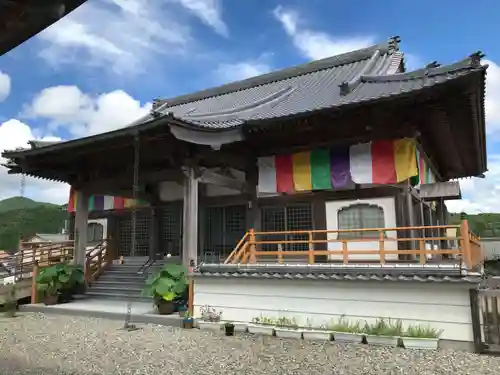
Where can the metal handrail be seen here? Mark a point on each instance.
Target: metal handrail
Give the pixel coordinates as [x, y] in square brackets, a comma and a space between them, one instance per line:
[146, 265]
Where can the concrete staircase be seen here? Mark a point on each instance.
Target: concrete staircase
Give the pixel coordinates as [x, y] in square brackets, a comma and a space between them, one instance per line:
[122, 282]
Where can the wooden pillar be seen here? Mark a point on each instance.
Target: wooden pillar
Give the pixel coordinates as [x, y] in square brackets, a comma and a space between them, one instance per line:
[441, 217]
[190, 218]
[153, 232]
[81, 220]
[410, 218]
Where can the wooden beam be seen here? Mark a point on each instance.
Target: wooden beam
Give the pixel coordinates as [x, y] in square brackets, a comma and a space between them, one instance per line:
[124, 180]
[208, 176]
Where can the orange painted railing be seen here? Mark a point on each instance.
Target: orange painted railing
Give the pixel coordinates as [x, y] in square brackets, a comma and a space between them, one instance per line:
[251, 247]
[97, 260]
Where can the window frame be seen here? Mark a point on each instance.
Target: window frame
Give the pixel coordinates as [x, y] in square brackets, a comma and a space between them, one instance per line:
[361, 235]
[91, 228]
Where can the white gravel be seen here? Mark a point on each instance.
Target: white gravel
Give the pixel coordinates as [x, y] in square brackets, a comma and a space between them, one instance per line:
[48, 344]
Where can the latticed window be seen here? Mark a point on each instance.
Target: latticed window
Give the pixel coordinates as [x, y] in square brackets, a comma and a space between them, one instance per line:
[223, 229]
[297, 217]
[95, 232]
[360, 216]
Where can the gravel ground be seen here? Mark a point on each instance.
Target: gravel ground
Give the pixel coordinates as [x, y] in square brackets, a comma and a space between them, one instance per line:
[48, 344]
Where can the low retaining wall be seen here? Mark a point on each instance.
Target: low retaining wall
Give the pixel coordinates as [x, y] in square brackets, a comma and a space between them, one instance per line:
[443, 306]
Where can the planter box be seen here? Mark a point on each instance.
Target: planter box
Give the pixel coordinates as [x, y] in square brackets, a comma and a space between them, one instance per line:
[240, 327]
[319, 335]
[348, 337]
[288, 333]
[382, 340]
[420, 343]
[261, 329]
[213, 326]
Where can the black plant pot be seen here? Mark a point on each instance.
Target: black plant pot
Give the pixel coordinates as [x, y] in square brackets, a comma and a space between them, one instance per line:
[165, 307]
[229, 328]
[50, 300]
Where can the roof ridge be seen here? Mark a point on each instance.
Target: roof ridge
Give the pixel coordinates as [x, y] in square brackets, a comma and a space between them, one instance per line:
[389, 47]
[473, 61]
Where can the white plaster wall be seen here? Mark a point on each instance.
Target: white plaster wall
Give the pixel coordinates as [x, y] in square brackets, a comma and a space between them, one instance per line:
[443, 306]
[170, 191]
[389, 207]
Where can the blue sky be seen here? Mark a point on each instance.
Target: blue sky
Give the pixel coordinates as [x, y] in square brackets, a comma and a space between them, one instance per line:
[100, 67]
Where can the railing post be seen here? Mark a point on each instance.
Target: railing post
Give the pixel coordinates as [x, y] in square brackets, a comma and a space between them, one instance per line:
[280, 253]
[345, 252]
[99, 260]
[310, 254]
[33, 283]
[381, 247]
[423, 255]
[88, 271]
[466, 252]
[252, 258]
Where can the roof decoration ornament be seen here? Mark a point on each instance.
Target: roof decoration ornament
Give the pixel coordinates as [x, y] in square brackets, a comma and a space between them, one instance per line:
[394, 44]
[433, 64]
[476, 58]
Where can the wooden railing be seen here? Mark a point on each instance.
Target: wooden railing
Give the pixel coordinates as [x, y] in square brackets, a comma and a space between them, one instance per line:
[359, 245]
[20, 265]
[97, 260]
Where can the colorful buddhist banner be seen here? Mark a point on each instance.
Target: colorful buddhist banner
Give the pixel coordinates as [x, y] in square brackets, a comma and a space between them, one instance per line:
[377, 162]
[104, 202]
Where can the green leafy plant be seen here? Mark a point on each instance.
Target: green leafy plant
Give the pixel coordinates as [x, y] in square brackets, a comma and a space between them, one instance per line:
[384, 327]
[52, 280]
[188, 316]
[285, 322]
[344, 325]
[209, 314]
[264, 320]
[422, 331]
[167, 284]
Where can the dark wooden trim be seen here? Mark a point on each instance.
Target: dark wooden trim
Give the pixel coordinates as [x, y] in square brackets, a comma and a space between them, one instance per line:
[479, 346]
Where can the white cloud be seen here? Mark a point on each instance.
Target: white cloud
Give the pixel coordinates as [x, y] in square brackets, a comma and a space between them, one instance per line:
[82, 114]
[492, 97]
[118, 34]
[480, 194]
[209, 12]
[315, 44]
[14, 134]
[4, 86]
[241, 70]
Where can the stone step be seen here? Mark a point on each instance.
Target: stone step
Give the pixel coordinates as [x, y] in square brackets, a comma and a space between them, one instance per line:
[116, 296]
[115, 289]
[124, 285]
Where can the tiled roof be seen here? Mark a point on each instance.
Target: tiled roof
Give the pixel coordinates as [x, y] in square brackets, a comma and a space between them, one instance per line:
[355, 77]
[326, 272]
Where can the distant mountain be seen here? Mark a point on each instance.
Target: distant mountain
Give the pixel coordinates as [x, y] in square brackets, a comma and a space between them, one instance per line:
[18, 203]
[23, 217]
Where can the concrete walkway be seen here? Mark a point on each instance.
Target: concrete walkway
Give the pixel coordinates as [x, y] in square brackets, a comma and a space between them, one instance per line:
[141, 312]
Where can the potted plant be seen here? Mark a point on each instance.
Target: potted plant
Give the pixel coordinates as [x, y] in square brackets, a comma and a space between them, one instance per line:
[262, 325]
[210, 318]
[182, 309]
[240, 326]
[229, 329]
[287, 328]
[75, 283]
[165, 286]
[343, 330]
[52, 280]
[10, 304]
[187, 321]
[316, 333]
[383, 332]
[421, 337]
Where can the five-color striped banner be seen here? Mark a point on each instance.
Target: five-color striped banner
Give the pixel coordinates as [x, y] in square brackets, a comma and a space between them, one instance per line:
[104, 202]
[378, 162]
